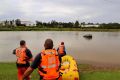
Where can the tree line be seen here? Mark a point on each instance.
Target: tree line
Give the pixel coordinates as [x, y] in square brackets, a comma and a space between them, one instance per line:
[110, 26]
[56, 24]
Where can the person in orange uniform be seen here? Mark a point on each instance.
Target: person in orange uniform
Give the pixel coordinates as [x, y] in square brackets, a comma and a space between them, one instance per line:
[48, 63]
[61, 49]
[23, 55]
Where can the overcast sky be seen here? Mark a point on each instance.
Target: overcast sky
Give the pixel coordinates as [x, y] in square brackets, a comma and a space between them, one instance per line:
[61, 10]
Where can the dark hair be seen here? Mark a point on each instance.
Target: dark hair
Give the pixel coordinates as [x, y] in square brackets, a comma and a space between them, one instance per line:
[48, 44]
[22, 42]
[62, 43]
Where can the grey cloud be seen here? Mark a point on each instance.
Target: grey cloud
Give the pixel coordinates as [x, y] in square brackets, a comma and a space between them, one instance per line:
[62, 10]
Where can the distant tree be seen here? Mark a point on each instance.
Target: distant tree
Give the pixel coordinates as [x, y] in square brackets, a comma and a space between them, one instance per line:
[60, 24]
[49, 24]
[11, 23]
[77, 24]
[38, 23]
[70, 24]
[90, 23]
[6, 23]
[54, 23]
[18, 22]
[83, 24]
[1, 25]
[44, 24]
[110, 26]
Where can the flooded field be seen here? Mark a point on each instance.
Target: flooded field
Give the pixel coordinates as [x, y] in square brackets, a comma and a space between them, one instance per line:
[103, 47]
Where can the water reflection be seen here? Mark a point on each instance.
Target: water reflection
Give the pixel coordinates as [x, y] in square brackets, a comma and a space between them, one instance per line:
[111, 34]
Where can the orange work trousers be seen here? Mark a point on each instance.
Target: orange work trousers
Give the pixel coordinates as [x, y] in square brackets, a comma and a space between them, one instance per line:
[21, 71]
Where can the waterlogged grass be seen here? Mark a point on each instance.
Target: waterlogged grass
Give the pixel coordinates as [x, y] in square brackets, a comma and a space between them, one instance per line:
[8, 71]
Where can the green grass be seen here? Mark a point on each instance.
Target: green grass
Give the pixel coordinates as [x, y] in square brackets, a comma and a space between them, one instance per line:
[23, 28]
[8, 71]
[97, 75]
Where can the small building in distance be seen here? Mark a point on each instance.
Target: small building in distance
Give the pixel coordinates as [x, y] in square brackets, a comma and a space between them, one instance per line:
[90, 25]
[28, 23]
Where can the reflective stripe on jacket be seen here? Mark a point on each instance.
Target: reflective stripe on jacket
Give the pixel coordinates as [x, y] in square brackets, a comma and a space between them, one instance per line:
[50, 64]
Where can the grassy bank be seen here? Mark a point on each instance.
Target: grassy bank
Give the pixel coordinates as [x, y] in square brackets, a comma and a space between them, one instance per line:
[8, 71]
[23, 28]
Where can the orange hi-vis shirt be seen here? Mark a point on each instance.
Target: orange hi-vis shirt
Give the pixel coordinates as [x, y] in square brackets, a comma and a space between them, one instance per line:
[61, 49]
[50, 64]
[21, 55]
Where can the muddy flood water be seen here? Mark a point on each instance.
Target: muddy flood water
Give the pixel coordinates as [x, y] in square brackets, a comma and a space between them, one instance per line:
[102, 48]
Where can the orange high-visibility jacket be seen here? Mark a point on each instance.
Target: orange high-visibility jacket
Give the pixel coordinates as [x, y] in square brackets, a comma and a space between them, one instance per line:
[61, 49]
[21, 55]
[50, 64]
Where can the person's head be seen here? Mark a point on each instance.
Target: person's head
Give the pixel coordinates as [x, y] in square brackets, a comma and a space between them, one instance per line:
[62, 43]
[22, 43]
[48, 44]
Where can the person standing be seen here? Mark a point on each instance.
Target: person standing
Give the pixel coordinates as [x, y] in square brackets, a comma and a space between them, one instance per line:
[61, 49]
[24, 56]
[48, 63]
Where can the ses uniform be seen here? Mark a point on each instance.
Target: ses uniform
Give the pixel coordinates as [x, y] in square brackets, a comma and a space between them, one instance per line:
[48, 64]
[23, 57]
